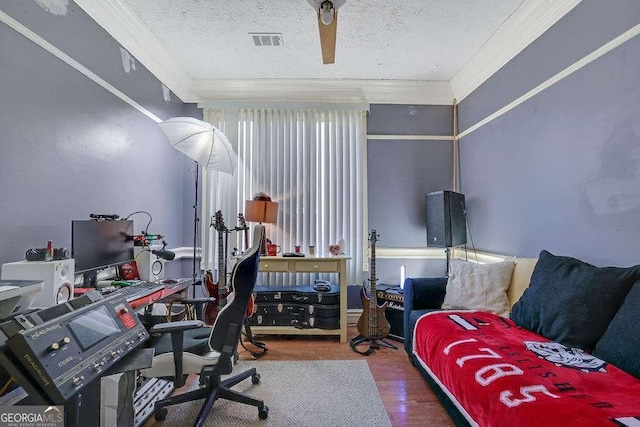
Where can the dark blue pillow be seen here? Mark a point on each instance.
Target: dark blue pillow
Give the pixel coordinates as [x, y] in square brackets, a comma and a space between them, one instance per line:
[572, 302]
[620, 344]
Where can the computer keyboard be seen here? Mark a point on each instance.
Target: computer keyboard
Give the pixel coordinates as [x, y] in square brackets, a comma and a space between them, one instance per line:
[141, 290]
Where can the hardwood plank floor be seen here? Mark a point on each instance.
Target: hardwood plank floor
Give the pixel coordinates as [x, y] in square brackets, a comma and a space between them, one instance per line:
[408, 399]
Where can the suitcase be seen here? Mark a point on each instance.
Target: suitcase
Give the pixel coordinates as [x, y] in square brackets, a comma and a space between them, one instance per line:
[299, 294]
[306, 310]
[298, 306]
[298, 320]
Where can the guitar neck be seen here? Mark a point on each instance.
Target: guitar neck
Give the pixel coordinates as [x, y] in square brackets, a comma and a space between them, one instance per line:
[372, 277]
[222, 264]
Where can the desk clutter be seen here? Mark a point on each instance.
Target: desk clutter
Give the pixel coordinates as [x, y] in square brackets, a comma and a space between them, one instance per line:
[298, 306]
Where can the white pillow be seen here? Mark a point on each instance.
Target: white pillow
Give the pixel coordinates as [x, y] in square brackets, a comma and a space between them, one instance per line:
[482, 287]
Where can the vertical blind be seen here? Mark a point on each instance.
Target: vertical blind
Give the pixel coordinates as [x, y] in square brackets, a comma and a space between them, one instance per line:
[312, 162]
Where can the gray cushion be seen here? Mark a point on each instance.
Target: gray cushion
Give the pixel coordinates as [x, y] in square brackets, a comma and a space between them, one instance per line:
[481, 287]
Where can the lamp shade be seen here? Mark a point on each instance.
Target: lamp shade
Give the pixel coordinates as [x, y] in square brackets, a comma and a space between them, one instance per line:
[202, 142]
[261, 209]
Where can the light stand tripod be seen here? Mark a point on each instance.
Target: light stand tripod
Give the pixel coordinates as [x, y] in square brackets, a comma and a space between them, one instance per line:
[195, 235]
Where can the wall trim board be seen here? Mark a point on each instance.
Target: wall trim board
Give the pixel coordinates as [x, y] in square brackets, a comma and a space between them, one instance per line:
[479, 256]
[621, 39]
[412, 137]
[127, 29]
[409, 253]
[525, 25]
[239, 105]
[415, 92]
[353, 315]
[27, 33]
[186, 252]
[439, 253]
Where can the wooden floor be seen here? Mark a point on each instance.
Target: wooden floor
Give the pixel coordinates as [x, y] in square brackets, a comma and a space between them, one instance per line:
[407, 398]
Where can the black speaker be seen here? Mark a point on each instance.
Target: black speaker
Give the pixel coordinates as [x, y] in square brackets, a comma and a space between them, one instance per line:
[446, 219]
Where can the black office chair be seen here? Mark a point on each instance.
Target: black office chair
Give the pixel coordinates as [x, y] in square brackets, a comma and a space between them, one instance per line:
[218, 358]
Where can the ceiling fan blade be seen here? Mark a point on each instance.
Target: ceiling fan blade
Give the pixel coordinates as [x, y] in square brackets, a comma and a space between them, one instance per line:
[328, 39]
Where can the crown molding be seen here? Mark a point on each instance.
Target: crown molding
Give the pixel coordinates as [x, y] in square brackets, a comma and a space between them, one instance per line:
[128, 30]
[336, 91]
[525, 25]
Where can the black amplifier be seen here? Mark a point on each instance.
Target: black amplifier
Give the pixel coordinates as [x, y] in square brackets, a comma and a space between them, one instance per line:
[394, 313]
[69, 351]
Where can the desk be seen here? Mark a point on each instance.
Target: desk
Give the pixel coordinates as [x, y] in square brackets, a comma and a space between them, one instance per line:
[329, 264]
[162, 294]
[165, 293]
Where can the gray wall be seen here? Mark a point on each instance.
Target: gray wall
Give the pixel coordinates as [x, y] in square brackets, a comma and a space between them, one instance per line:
[69, 148]
[560, 171]
[400, 173]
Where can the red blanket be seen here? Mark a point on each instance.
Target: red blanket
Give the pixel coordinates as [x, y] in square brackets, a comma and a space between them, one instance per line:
[499, 374]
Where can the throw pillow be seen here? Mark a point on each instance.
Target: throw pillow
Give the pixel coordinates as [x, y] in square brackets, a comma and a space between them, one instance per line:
[572, 302]
[620, 344]
[479, 286]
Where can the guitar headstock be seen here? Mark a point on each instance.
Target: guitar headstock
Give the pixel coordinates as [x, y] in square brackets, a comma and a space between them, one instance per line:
[242, 222]
[373, 237]
[218, 223]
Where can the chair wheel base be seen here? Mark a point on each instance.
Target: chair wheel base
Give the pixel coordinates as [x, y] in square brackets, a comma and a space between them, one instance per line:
[255, 378]
[263, 413]
[160, 414]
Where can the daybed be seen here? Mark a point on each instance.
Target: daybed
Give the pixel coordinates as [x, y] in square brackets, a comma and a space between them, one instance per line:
[565, 352]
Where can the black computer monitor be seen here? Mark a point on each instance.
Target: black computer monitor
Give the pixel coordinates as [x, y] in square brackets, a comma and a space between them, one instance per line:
[99, 244]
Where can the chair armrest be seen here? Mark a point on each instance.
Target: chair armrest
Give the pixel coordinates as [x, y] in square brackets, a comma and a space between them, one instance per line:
[180, 326]
[176, 329]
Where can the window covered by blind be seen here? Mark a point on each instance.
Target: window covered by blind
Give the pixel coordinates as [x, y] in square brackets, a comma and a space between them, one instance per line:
[309, 161]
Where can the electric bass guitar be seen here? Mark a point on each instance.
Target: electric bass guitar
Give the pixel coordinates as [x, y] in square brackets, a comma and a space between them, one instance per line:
[217, 290]
[372, 325]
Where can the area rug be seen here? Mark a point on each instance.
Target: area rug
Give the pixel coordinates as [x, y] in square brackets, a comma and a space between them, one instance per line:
[298, 393]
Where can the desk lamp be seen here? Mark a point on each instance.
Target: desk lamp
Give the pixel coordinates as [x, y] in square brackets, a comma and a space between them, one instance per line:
[261, 209]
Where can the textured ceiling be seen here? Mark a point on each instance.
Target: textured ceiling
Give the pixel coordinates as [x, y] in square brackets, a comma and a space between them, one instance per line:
[396, 40]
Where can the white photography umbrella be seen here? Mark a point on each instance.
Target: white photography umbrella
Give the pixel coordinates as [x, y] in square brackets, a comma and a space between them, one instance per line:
[208, 147]
[202, 142]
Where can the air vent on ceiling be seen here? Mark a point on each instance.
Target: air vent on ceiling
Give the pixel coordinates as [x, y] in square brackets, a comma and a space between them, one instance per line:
[267, 39]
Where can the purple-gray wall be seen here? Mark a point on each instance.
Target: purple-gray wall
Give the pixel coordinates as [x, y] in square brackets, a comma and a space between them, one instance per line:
[69, 148]
[399, 174]
[561, 171]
